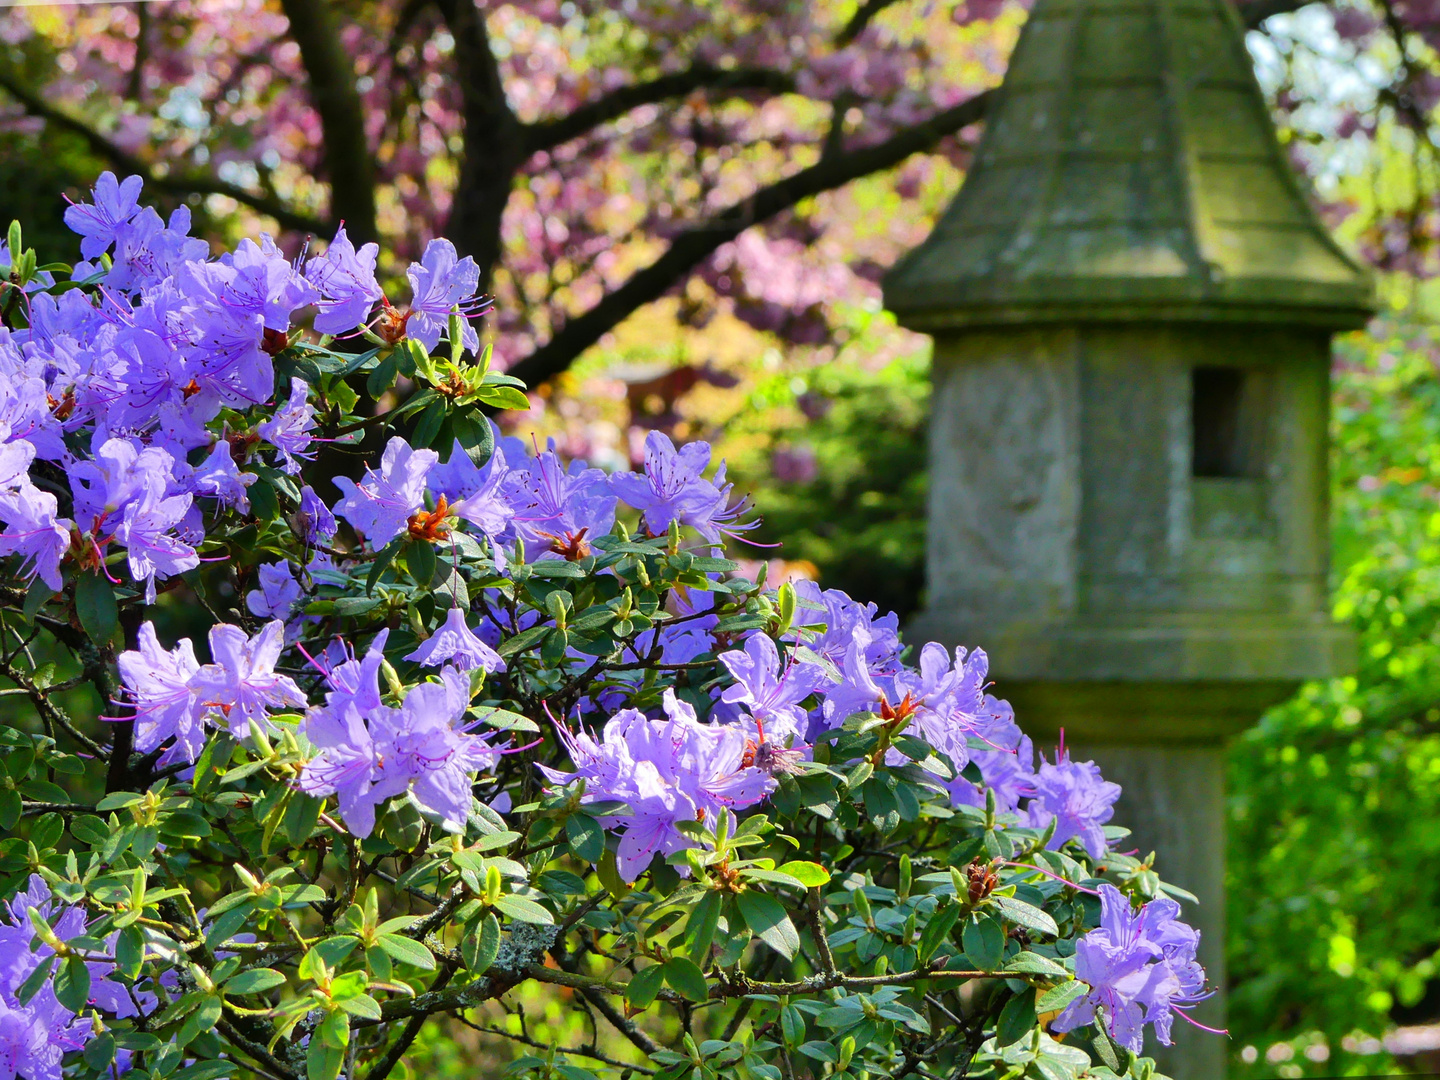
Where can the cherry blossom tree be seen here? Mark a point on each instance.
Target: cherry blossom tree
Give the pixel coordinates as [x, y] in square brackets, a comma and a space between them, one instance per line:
[591, 156]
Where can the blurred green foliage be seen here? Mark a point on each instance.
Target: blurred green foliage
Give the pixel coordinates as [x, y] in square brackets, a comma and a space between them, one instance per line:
[861, 519]
[1339, 789]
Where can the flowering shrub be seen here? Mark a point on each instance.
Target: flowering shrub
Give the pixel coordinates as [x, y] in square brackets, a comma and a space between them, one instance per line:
[488, 719]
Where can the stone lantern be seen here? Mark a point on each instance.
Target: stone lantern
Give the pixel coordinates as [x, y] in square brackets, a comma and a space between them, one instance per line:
[1132, 305]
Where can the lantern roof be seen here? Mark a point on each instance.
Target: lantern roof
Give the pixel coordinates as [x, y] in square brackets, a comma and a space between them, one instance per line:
[1129, 170]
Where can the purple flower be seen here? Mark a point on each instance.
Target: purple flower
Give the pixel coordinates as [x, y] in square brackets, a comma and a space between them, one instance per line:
[844, 620]
[381, 504]
[147, 531]
[771, 692]
[665, 771]
[455, 642]
[1140, 966]
[441, 282]
[346, 281]
[477, 495]
[1081, 801]
[166, 705]
[1008, 774]
[218, 475]
[370, 752]
[317, 524]
[559, 508]
[289, 429]
[278, 593]
[120, 472]
[257, 279]
[116, 202]
[33, 532]
[242, 682]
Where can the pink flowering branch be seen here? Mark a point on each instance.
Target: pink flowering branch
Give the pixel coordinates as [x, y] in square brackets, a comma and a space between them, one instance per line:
[180, 183]
[693, 246]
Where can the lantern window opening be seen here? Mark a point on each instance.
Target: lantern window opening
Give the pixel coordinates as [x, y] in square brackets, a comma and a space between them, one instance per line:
[1221, 419]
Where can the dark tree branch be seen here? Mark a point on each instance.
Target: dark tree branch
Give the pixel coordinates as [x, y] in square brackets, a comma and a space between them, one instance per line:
[494, 148]
[349, 165]
[693, 246]
[125, 162]
[546, 134]
[860, 20]
[1255, 12]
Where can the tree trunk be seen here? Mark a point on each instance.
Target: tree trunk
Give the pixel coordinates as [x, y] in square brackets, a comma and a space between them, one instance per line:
[494, 146]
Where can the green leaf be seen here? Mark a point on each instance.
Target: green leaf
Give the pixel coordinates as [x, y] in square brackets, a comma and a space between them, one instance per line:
[1057, 997]
[72, 984]
[10, 808]
[130, 951]
[95, 605]
[812, 875]
[264, 503]
[687, 978]
[407, 951]
[381, 380]
[700, 927]
[640, 991]
[254, 981]
[1029, 963]
[517, 907]
[1026, 915]
[587, 839]
[35, 980]
[1017, 1018]
[323, 1062]
[984, 941]
[503, 397]
[936, 931]
[481, 945]
[383, 558]
[476, 437]
[428, 426]
[768, 921]
[420, 558]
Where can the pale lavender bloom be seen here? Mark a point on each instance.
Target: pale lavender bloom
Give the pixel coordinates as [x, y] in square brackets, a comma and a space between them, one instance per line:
[147, 531]
[555, 505]
[219, 476]
[33, 532]
[25, 414]
[1141, 968]
[356, 681]
[21, 952]
[242, 682]
[1074, 793]
[381, 504]
[116, 202]
[119, 472]
[278, 593]
[844, 619]
[456, 643]
[166, 706]
[289, 429]
[772, 692]
[370, 752]
[477, 495]
[346, 281]
[147, 250]
[257, 279]
[35, 1038]
[665, 771]
[441, 282]
[15, 459]
[319, 524]
[672, 488]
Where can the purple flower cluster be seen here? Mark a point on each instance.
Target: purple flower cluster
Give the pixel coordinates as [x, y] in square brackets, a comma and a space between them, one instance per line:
[36, 1035]
[119, 389]
[371, 751]
[176, 697]
[1141, 969]
[665, 771]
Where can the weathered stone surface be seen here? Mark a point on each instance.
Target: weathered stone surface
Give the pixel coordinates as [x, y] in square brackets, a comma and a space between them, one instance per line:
[1132, 304]
[1129, 169]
